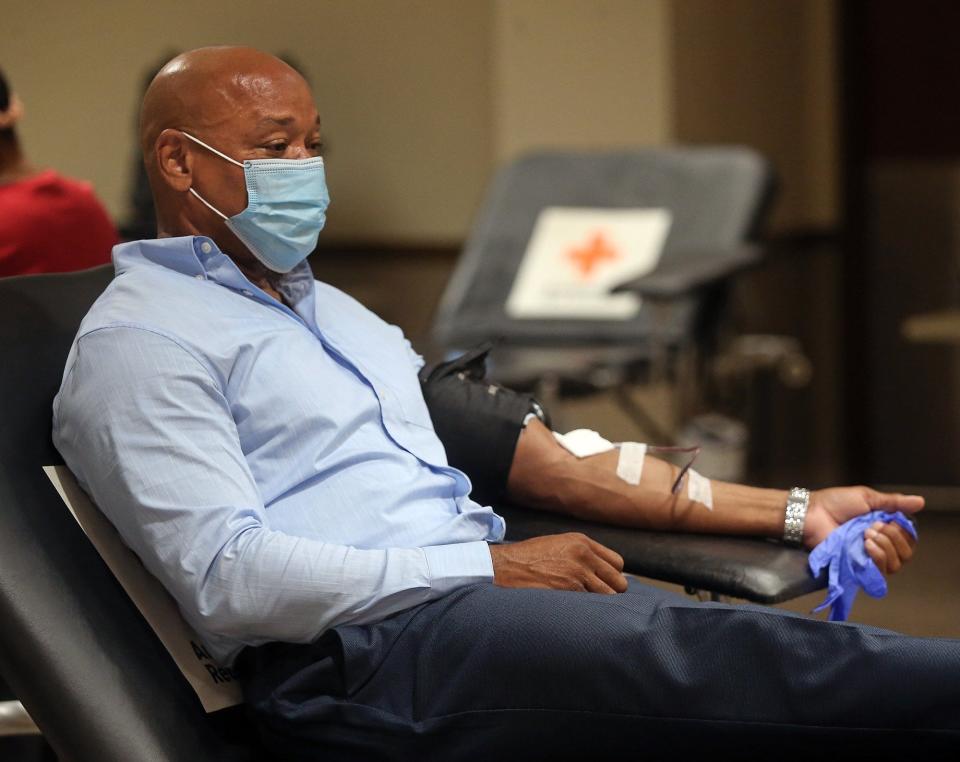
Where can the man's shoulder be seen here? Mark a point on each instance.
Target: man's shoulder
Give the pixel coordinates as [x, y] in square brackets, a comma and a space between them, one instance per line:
[54, 182]
[136, 331]
[327, 293]
[154, 299]
[336, 307]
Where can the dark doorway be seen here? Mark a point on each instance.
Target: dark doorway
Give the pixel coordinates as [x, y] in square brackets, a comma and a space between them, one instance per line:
[900, 90]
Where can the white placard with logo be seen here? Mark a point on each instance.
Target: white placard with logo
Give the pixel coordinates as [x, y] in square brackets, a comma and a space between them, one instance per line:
[216, 686]
[576, 255]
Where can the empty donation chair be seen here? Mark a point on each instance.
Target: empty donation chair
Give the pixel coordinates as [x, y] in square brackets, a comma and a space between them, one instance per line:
[74, 648]
[714, 200]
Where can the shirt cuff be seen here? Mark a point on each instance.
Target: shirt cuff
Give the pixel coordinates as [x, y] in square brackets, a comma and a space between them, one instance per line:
[457, 565]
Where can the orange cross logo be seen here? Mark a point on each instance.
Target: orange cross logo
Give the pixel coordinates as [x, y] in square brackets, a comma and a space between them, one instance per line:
[586, 258]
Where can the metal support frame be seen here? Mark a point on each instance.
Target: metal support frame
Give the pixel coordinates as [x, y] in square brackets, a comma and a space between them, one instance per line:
[15, 721]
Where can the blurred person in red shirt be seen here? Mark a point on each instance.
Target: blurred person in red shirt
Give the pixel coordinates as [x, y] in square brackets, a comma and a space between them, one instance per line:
[48, 223]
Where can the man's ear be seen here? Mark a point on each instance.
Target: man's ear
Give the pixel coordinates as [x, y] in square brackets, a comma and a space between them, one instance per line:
[174, 160]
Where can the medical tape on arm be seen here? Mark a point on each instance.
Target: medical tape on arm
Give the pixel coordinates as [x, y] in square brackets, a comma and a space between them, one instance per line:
[584, 442]
[699, 489]
[630, 462]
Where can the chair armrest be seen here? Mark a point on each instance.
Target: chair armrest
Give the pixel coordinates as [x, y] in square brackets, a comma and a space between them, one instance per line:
[755, 569]
[682, 272]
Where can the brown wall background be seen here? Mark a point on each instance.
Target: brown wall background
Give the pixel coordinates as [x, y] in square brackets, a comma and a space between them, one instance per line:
[421, 99]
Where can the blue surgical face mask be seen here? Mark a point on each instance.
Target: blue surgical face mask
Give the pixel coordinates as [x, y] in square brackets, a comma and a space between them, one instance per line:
[286, 208]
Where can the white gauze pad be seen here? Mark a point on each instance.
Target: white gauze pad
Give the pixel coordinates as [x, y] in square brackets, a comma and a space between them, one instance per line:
[583, 442]
[699, 489]
[630, 463]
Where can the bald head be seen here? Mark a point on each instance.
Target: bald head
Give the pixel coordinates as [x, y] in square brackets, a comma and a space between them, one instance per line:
[207, 87]
[241, 102]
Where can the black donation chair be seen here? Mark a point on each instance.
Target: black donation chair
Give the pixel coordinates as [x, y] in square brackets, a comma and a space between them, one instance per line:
[73, 646]
[716, 199]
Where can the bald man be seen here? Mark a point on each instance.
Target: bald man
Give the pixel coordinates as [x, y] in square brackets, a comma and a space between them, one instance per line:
[261, 441]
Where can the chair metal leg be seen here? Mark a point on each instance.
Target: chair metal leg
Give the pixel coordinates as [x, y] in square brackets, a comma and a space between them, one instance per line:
[641, 417]
[659, 350]
[547, 392]
[706, 595]
[14, 720]
[686, 397]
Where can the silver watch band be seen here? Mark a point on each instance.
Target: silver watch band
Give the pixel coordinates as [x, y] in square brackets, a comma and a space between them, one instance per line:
[797, 502]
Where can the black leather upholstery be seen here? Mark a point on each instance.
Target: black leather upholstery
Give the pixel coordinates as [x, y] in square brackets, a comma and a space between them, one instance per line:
[758, 570]
[73, 647]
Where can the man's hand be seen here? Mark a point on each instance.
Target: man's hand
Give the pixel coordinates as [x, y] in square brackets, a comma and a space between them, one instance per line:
[561, 561]
[889, 545]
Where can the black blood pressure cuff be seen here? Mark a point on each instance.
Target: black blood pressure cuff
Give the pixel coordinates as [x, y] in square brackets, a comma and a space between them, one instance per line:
[478, 422]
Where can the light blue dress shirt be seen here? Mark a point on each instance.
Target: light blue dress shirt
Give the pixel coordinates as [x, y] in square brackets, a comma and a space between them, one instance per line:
[275, 468]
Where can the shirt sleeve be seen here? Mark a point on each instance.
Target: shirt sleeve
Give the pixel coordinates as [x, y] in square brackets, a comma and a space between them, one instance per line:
[145, 427]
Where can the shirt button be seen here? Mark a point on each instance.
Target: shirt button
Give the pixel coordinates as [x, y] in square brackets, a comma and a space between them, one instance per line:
[205, 247]
[199, 276]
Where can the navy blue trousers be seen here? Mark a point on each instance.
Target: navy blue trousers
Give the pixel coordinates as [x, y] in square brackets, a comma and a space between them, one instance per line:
[540, 674]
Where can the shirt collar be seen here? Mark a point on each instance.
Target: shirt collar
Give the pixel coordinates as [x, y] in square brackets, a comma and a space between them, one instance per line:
[198, 255]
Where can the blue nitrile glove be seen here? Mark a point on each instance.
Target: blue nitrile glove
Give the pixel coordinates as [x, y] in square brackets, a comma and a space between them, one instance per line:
[850, 566]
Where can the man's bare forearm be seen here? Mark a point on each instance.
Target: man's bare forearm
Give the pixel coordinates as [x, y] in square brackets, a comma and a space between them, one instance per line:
[546, 476]
[592, 493]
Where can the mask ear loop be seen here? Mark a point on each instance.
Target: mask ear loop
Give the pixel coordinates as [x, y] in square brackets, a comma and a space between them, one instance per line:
[210, 148]
[207, 204]
[199, 142]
